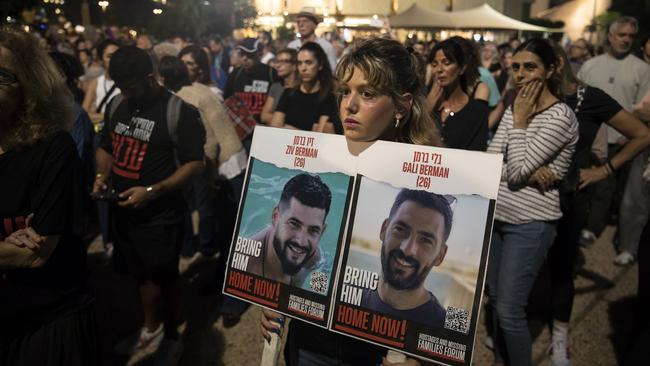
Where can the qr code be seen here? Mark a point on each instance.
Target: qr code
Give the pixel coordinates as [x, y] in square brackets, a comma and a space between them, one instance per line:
[457, 319]
[318, 282]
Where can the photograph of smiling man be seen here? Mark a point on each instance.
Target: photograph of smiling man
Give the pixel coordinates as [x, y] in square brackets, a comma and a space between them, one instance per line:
[291, 243]
[413, 241]
[284, 253]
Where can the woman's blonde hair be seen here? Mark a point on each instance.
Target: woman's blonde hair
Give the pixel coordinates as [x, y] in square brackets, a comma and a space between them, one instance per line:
[46, 104]
[392, 70]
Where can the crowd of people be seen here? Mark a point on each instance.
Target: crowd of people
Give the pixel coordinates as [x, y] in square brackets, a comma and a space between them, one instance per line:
[159, 135]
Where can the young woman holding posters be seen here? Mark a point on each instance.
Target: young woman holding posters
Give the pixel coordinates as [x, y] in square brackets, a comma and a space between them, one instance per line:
[311, 104]
[381, 98]
[537, 131]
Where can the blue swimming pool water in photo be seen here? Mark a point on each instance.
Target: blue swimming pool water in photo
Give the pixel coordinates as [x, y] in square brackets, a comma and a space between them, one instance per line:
[264, 190]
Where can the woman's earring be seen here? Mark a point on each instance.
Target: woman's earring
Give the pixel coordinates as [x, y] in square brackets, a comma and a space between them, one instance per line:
[397, 118]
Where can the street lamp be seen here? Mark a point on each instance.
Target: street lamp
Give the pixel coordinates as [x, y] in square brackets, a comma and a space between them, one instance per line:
[103, 4]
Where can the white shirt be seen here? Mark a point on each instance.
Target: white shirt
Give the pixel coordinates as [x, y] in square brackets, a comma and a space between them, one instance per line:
[104, 86]
[627, 80]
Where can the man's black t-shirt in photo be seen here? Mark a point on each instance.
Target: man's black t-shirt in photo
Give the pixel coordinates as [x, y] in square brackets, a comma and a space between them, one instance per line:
[42, 180]
[143, 152]
[303, 110]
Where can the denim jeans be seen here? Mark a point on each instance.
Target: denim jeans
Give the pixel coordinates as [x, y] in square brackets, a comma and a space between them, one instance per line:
[516, 255]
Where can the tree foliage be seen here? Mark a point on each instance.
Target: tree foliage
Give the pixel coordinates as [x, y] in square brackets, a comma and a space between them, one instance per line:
[197, 18]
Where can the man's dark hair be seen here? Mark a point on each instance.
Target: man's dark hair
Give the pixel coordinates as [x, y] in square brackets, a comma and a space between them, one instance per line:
[102, 47]
[130, 63]
[173, 72]
[307, 189]
[429, 200]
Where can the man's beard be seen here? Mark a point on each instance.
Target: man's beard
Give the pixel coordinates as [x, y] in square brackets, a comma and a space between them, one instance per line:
[288, 267]
[415, 280]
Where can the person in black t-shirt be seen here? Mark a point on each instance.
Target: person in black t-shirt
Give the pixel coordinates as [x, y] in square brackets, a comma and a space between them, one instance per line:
[413, 241]
[43, 297]
[252, 81]
[146, 164]
[310, 106]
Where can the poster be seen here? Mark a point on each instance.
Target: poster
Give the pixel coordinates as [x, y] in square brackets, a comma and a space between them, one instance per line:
[291, 222]
[413, 265]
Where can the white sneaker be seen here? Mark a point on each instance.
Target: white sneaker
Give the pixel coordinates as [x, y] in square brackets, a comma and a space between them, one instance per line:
[559, 353]
[141, 341]
[624, 259]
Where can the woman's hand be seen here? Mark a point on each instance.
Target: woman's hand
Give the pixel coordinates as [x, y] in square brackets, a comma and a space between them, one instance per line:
[592, 175]
[544, 178]
[271, 322]
[408, 362]
[434, 98]
[524, 105]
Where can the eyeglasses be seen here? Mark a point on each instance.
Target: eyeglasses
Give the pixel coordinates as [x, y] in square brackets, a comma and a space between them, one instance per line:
[7, 77]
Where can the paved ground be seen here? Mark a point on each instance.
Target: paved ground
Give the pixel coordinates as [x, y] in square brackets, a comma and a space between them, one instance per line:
[600, 335]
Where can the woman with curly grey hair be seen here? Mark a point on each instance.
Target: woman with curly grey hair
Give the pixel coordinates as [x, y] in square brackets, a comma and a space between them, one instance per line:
[46, 313]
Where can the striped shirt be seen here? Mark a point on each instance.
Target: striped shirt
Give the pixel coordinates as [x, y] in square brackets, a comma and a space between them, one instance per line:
[549, 141]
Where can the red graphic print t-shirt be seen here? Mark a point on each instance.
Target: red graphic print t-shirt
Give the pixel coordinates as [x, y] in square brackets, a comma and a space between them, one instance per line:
[143, 152]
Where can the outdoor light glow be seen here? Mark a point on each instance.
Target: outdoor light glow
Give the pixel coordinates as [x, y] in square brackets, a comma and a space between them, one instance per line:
[164, 2]
[270, 21]
[477, 37]
[79, 28]
[133, 33]
[57, 11]
[355, 22]
[157, 11]
[103, 4]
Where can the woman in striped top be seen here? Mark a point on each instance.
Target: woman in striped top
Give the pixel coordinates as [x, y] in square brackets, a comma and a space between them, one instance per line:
[538, 130]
